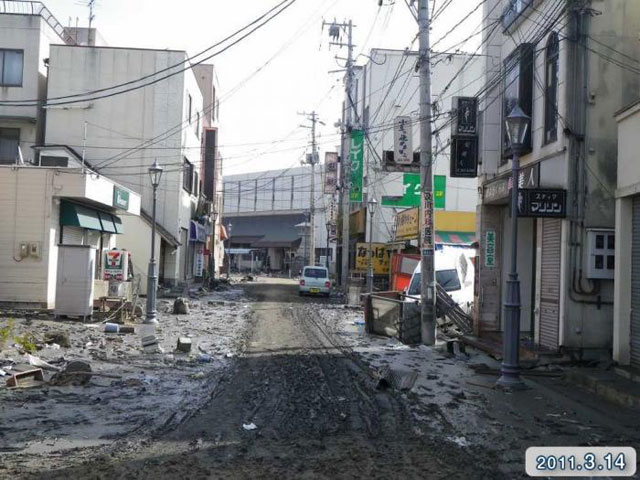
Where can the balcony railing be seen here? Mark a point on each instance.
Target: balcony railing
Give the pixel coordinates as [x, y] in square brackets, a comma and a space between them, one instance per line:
[17, 7]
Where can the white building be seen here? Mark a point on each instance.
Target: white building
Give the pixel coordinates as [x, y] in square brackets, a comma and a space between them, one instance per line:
[385, 88]
[269, 212]
[123, 134]
[27, 29]
[44, 207]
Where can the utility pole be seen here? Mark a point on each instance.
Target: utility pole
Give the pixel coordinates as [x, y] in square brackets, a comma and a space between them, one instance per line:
[313, 160]
[335, 32]
[427, 237]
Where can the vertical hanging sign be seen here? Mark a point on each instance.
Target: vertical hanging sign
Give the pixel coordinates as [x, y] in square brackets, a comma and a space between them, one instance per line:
[356, 159]
[403, 153]
[427, 225]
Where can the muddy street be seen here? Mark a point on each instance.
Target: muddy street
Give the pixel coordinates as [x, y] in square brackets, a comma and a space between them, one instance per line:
[295, 405]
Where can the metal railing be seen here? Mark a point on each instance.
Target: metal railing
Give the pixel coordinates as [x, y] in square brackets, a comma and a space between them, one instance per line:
[24, 7]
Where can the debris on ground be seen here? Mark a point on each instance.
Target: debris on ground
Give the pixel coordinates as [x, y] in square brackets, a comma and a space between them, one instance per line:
[249, 426]
[184, 344]
[28, 378]
[181, 306]
[37, 362]
[58, 338]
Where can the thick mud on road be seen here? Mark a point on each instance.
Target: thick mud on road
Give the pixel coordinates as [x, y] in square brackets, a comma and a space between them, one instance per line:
[293, 406]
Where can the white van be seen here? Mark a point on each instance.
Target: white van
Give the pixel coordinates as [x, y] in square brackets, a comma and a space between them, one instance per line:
[454, 273]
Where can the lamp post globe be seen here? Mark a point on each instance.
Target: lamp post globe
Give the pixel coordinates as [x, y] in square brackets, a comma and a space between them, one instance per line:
[517, 124]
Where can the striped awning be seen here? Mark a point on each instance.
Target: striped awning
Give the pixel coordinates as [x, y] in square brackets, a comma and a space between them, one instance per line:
[455, 238]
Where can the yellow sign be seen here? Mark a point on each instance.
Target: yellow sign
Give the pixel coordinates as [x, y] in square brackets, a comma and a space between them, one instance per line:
[407, 224]
[381, 258]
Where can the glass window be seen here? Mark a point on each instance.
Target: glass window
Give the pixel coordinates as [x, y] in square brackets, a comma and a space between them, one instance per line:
[11, 65]
[190, 106]
[414, 287]
[551, 89]
[187, 176]
[517, 90]
[448, 279]
[9, 141]
[315, 273]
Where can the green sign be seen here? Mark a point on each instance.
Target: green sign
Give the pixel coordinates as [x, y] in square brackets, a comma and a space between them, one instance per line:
[411, 193]
[490, 249]
[439, 189]
[120, 198]
[356, 158]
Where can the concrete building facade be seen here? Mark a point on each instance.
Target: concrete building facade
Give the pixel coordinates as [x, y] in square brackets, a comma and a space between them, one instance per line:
[546, 57]
[122, 135]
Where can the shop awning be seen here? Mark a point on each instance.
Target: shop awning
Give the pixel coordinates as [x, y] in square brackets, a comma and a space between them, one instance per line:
[75, 215]
[455, 238]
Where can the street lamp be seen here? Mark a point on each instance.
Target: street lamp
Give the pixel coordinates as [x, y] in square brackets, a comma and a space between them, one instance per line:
[517, 124]
[155, 174]
[229, 262]
[212, 250]
[327, 251]
[371, 206]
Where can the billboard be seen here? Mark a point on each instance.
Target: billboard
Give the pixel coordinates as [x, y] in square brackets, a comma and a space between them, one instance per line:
[330, 173]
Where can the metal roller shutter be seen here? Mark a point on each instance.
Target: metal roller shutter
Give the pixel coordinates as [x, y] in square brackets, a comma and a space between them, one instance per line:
[635, 285]
[72, 235]
[550, 283]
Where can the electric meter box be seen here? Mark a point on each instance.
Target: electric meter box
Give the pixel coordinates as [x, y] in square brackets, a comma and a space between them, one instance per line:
[601, 244]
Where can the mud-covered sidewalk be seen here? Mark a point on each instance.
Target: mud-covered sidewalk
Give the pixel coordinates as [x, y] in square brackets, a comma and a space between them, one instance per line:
[454, 393]
[134, 395]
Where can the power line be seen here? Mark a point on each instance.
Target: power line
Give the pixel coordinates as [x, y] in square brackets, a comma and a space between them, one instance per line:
[183, 62]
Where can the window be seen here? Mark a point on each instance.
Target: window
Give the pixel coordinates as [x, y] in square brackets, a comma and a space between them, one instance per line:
[512, 12]
[187, 176]
[551, 89]
[190, 106]
[198, 124]
[196, 184]
[518, 90]
[9, 141]
[11, 64]
[447, 279]
[315, 273]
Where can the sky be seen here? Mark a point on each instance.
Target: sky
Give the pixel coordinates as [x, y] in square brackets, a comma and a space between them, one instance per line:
[276, 73]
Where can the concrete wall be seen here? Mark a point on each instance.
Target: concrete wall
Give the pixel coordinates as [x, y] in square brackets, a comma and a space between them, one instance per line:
[279, 191]
[587, 169]
[156, 114]
[31, 34]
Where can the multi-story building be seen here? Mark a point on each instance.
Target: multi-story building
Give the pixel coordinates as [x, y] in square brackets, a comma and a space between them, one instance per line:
[563, 64]
[385, 90]
[44, 202]
[160, 112]
[270, 214]
[27, 30]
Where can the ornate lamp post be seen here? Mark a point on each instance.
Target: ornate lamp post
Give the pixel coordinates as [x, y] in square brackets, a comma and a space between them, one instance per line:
[517, 124]
[212, 245]
[372, 204]
[229, 259]
[155, 174]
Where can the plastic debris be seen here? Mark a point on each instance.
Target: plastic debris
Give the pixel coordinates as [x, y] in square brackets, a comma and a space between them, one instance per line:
[204, 358]
[249, 426]
[37, 362]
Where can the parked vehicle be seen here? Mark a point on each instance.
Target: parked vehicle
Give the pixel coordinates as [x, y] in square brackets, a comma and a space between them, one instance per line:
[454, 273]
[315, 281]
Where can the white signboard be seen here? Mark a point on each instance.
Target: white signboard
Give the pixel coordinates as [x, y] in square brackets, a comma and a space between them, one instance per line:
[330, 172]
[403, 135]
